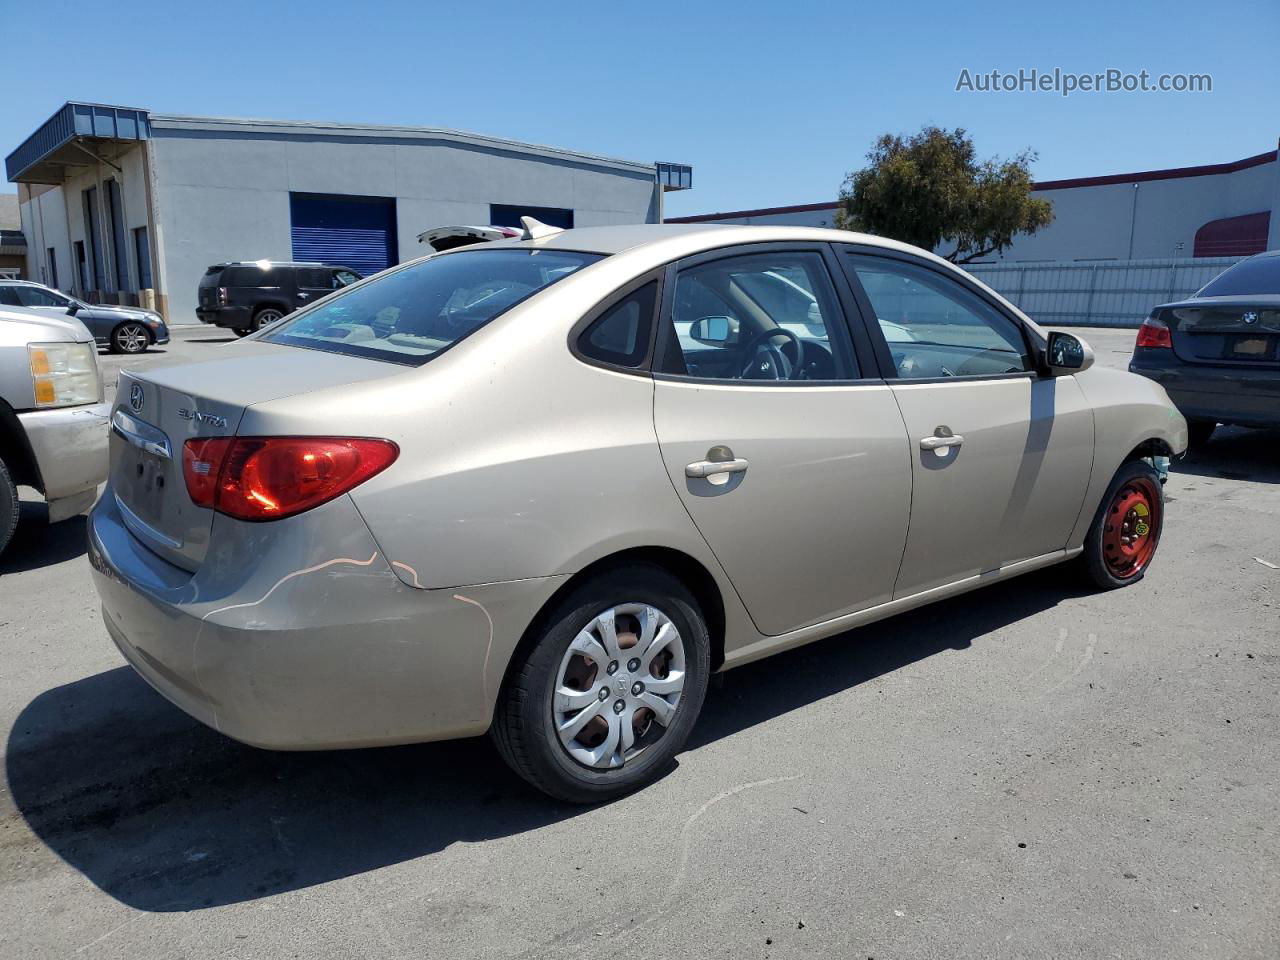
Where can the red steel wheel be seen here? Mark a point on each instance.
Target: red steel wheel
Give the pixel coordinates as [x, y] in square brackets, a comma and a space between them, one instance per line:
[1131, 528]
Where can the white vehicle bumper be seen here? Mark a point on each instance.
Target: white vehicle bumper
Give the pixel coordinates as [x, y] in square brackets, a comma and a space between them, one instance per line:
[70, 449]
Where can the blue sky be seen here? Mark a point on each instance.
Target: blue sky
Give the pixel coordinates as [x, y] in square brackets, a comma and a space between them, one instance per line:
[772, 103]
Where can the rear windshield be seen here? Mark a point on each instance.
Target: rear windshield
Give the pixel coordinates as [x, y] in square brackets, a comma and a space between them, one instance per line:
[409, 315]
[1250, 277]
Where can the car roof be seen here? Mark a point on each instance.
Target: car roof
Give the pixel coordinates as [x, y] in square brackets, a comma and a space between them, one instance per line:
[280, 263]
[625, 237]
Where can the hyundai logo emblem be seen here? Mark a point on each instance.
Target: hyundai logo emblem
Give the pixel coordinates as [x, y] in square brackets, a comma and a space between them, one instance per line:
[136, 397]
[1250, 317]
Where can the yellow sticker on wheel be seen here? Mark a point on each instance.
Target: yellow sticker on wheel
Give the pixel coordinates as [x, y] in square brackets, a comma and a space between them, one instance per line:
[1141, 509]
[1142, 529]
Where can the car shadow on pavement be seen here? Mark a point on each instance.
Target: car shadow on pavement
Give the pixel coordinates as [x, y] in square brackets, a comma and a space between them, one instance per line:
[38, 543]
[164, 814]
[1234, 453]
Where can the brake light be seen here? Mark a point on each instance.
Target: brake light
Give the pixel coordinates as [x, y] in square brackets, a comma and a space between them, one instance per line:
[266, 478]
[1154, 333]
[222, 296]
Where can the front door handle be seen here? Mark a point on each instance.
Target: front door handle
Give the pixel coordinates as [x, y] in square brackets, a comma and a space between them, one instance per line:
[709, 468]
[937, 443]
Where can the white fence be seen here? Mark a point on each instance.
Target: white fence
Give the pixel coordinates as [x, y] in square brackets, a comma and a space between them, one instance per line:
[1104, 293]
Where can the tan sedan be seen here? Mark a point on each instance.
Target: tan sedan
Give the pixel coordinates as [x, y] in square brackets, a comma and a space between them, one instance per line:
[545, 487]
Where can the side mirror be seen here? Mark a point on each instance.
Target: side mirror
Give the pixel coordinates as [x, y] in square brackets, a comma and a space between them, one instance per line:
[73, 308]
[714, 331]
[1066, 354]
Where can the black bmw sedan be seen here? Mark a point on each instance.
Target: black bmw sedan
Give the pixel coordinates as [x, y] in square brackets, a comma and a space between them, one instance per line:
[1218, 353]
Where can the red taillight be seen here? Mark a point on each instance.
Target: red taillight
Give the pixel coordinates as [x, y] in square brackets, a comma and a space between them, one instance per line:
[1154, 333]
[265, 478]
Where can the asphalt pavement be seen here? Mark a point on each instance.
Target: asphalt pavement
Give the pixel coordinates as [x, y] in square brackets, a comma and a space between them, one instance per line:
[1031, 770]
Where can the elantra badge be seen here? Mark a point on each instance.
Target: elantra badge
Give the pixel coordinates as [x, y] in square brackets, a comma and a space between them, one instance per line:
[1250, 316]
[208, 419]
[136, 397]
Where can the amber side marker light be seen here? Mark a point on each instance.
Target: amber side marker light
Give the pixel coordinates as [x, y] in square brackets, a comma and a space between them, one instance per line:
[266, 478]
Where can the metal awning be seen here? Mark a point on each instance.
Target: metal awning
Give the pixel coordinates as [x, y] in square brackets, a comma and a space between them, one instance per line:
[65, 141]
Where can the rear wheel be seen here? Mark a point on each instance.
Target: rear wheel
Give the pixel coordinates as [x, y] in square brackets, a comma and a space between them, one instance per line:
[266, 316]
[611, 689]
[1122, 541]
[8, 506]
[1199, 431]
[130, 338]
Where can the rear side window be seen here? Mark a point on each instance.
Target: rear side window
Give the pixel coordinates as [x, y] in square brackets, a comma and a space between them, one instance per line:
[1257, 275]
[411, 314]
[620, 335]
[250, 277]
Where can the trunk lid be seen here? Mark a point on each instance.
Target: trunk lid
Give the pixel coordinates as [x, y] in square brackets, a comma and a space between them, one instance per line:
[1239, 331]
[157, 410]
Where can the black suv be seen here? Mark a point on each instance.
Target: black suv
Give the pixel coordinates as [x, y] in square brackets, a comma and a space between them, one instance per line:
[248, 296]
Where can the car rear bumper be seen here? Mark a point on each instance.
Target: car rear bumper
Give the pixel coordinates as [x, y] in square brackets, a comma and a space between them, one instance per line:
[1236, 394]
[232, 317]
[306, 639]
[70, 449]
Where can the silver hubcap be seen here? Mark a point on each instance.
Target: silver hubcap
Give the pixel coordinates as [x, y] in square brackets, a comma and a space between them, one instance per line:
[619, 685]
[132, 339]
[267, 317]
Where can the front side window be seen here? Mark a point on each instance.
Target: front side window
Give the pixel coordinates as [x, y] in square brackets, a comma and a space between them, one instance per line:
[769, 316]
[343, 278]
[411, 314]
[38, 297]
[934, 326]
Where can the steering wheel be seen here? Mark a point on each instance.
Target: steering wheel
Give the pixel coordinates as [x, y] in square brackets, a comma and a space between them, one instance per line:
[773, 364]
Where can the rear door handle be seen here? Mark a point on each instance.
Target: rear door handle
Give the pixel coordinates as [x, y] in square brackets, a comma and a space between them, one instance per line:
[936, 443]
[709, 468]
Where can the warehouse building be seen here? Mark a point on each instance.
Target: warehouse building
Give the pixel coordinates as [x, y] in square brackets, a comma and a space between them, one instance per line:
[1218, 210]
[121, 205]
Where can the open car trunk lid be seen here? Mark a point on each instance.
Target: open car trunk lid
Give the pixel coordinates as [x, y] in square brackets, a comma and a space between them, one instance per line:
[158, 410]
[1226, 331]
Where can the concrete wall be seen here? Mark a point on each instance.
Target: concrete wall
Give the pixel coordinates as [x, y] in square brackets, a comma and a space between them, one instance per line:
[1137, 220]
[54, 217]
[1143, 220]
[223, 194]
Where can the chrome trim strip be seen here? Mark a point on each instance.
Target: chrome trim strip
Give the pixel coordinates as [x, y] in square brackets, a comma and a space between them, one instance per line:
[141, 435]
[142, 529]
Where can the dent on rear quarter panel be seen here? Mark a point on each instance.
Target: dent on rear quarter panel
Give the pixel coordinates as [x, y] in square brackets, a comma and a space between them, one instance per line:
[1127, 410]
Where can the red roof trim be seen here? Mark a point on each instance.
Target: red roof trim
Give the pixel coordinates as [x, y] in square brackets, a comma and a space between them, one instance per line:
[760, 212]
[1173, 173]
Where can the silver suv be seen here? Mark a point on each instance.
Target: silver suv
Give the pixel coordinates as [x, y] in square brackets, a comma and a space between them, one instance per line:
[53, 423]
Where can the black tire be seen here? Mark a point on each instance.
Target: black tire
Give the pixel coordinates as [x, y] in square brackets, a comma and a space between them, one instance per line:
[265, 316]
[8, 506]
[523, 728]
[1133, 474]
[242, 331]
[1199, 432]
[130, 338]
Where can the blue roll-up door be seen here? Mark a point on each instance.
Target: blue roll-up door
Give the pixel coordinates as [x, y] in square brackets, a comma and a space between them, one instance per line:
[356, 232]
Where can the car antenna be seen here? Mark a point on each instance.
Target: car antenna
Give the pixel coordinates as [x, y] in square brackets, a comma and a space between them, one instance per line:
[534, 230]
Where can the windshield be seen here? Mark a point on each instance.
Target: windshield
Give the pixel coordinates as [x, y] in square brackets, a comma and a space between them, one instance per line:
[408, 316]
[1256, 275]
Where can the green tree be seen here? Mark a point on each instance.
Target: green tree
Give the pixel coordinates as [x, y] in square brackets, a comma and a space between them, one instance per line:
[930, 190]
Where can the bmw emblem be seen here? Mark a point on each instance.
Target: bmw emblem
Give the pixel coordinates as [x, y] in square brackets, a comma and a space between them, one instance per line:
[136, 397]
[1250, 317]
